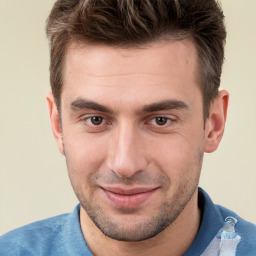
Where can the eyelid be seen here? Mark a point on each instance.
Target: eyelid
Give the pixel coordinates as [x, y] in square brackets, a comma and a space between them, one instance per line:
[85, 122]
[92, 114]
[167, 118]
[171, 121]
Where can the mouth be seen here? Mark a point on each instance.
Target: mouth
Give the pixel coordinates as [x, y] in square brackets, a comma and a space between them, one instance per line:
[128, 198]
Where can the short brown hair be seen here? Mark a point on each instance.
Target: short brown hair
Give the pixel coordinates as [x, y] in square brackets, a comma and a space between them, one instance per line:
[129, 23]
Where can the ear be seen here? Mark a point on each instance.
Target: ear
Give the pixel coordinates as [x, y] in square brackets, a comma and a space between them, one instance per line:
[215, 124]
[55, 121]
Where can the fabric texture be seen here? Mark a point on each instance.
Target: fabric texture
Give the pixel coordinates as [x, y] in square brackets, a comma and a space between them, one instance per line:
[62, 235]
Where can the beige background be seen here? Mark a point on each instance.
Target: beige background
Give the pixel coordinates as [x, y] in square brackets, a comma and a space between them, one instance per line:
[33, 179]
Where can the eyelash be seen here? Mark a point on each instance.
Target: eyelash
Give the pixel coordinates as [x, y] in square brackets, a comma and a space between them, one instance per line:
[166, 119]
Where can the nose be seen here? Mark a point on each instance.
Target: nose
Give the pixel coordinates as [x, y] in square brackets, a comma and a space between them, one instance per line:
[127, 155]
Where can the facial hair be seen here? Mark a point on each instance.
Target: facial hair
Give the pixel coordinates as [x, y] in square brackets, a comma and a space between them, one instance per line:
[142, 228]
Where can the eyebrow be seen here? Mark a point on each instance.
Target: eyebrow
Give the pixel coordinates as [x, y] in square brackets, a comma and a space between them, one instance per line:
[164, 105]
[80, 103]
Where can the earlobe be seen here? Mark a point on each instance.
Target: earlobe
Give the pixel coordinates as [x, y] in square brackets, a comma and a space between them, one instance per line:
[55, 121]
[215, 124]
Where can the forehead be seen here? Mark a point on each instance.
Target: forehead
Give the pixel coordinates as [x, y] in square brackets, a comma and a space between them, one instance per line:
[150, 71]
[149, 57]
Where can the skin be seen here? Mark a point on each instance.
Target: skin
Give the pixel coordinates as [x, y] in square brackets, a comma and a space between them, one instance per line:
[133, 135]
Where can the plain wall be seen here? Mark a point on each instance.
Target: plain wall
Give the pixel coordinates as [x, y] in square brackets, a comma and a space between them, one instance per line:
[33, 179]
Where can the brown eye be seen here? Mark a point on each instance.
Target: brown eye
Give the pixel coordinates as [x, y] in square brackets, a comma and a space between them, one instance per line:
[96, 120]
[161, 120]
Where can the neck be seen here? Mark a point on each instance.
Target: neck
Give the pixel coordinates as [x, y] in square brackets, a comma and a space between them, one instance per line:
[174, 240]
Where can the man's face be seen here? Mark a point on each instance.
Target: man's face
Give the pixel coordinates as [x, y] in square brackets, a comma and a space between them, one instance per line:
[133, 134]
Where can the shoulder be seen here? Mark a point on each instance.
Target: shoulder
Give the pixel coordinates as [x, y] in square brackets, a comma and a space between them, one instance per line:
[56, 236]
[27, 239]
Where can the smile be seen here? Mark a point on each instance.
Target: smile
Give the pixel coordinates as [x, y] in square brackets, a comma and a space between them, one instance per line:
[130, 198]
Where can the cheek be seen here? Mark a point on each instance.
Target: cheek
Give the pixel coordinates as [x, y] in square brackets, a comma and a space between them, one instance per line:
[178, 156]
[84, 154]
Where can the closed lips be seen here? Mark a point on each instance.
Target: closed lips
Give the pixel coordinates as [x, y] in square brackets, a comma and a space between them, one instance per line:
[129, 198]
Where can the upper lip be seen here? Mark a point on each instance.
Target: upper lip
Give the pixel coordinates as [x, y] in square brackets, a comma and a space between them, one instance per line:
[129, 191]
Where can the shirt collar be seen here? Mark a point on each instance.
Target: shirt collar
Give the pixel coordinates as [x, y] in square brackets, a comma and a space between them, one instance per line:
[211, 223]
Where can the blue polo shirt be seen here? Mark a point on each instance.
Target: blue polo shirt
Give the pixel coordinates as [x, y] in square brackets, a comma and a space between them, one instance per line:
[62, 235]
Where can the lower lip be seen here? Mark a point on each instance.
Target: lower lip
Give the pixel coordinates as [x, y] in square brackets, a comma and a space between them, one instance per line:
[129, 201]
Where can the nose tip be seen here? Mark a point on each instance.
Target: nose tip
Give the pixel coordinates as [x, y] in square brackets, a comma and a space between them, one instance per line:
[127, 161]
[127, 168]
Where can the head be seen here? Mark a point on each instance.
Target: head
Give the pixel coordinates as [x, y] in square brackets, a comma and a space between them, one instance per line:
[136, 86]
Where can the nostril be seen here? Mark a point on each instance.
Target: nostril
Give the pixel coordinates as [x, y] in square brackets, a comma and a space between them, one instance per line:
[127, 180]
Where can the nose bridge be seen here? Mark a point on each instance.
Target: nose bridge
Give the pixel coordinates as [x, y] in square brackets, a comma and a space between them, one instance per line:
[126, 155]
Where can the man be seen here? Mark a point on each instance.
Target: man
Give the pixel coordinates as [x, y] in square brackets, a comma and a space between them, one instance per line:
[135, 103]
